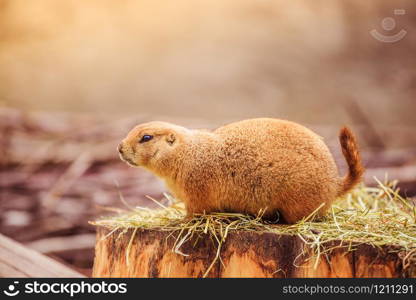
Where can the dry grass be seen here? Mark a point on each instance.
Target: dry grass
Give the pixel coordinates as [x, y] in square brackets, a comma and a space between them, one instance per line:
[373, 215]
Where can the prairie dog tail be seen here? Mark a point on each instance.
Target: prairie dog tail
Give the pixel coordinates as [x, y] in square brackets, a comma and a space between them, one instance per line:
[351, 153]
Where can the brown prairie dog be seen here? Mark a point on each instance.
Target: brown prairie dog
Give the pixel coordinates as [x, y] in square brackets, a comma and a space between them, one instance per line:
[255, 164]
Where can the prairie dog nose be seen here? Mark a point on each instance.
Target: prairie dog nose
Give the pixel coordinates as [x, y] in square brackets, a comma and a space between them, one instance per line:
[120, 148]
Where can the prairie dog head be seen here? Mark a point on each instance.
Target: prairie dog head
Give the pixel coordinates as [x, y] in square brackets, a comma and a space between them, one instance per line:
[151, 145]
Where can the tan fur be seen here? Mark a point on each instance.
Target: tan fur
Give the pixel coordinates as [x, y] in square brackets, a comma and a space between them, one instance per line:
[245, 166]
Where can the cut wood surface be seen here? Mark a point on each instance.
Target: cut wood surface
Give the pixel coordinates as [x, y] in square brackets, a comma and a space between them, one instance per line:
[19, 261]
[148, 253]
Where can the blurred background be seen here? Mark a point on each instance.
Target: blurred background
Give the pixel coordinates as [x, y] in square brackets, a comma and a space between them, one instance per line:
[75, 76]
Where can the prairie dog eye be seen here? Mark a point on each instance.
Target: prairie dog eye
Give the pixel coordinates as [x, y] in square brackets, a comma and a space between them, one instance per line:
[145, 138]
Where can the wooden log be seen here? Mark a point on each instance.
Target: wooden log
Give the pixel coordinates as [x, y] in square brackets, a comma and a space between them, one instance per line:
[19, 261]
[63, 243]
[148, 253]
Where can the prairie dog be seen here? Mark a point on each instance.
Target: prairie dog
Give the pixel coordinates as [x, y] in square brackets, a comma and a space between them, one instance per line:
[275, 165]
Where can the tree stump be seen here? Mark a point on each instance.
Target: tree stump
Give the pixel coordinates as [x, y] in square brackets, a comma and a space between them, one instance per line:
[244, 254]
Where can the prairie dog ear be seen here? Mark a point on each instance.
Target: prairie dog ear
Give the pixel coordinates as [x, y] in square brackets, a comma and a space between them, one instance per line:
[170, 138]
